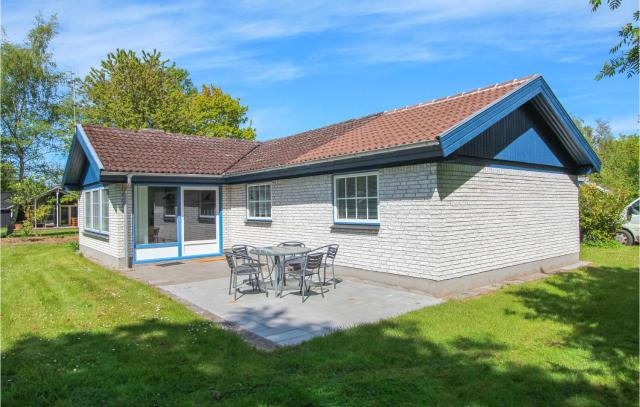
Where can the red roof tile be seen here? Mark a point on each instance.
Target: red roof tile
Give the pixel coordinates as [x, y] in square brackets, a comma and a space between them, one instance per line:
[155, 151]
[159, 152]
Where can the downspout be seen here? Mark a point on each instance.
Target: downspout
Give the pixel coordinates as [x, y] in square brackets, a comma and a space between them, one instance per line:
[126, 222]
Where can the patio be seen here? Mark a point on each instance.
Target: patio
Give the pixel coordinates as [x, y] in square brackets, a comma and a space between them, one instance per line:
[280, 321]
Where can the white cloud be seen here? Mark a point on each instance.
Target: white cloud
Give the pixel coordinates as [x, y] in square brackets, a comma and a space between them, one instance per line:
[239, 36]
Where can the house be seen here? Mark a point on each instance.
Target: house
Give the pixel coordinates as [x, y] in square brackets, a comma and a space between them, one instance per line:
[443, 195]
[62, 213]
[6, 211]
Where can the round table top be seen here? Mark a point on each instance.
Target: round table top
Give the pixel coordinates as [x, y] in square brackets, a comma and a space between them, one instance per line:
[279, 250]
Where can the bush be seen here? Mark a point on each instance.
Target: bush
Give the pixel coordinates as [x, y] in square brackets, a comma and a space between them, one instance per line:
[600, 215]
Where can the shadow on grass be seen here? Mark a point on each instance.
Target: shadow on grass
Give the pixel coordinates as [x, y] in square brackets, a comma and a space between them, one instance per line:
[601, 307]
[157, 362]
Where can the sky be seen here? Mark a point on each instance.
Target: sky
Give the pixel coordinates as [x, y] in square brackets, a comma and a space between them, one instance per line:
[299, 65]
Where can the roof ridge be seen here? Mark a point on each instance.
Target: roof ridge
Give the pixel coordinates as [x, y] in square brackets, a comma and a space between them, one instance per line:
[323, 127]
[463, 94]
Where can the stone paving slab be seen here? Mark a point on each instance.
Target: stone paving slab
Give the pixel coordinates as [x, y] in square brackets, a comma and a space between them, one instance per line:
[288, 321]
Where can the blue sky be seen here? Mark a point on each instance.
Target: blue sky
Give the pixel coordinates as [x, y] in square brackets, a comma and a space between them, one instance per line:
[304, 64]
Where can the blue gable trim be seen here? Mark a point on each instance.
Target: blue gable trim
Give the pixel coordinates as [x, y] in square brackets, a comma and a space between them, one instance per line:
[83, 165]
[546, 101]
[523, 137]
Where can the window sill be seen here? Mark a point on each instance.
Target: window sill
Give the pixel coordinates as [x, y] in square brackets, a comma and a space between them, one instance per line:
[257, 222]
[94, 234]
[366, 227]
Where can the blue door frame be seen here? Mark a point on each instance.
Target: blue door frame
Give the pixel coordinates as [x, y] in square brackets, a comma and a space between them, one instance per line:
[179, 188]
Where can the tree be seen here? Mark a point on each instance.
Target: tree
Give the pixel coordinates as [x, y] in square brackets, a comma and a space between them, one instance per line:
[602, 133]
[585, 129]
[9, 179]
[620, 165]
[32, 102]
[625, 52]
[150, 92]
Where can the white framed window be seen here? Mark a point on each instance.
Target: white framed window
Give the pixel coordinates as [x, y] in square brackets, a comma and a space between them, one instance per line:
[96, 210]
[207, 205]
[169, 205]
[259, 201]
[356, 198]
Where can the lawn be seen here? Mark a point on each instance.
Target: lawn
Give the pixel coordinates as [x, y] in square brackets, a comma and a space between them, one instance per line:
[77, 334]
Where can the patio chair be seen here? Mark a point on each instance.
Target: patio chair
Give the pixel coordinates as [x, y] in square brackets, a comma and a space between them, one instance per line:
[295, 261]
[243, 250]
[241, 265]
[310, 266]
[331, 251]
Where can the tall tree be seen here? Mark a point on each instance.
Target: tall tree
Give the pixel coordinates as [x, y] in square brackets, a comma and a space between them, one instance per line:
[135, 92]
[32, 102]
[625, 52]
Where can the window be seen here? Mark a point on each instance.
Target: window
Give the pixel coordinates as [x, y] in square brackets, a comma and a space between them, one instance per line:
[96, 210]
[259, 201]
[356, 198]
[169, 204]
[155, 214]
[104, 196]
[207, 206]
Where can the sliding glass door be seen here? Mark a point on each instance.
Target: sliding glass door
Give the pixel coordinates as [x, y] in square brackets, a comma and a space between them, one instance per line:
[199, 221]
[172, 222]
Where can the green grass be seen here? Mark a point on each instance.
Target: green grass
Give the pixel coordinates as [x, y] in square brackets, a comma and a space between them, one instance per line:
[77, 334]
[41, 232]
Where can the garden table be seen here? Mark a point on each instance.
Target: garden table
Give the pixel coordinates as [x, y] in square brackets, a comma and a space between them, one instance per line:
[280, 253]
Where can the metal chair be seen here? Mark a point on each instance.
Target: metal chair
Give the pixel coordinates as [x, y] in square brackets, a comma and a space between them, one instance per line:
[310, 266]
[244, 251]
[331, 251]
[241, 265]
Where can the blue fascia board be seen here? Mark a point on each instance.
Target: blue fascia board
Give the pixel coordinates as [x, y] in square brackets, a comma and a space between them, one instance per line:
[465, 132]
[570, 126]
[462, 134]
[88, 148]
[65, 175]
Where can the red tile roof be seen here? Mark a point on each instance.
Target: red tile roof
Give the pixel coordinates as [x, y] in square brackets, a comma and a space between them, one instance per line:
[159, 152]
[155, 151]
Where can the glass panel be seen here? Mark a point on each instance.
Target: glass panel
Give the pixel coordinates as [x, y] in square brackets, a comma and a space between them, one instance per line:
[105, 210]
[351, 208]
[197, 227]
[87, 210]
[373, 208]
[372, 185]
[267, 209]
[361, 208]
[342, 209]
[207, 204]
[351, 187]
[263, 193]
[361, 187]
[151, 207]
[95, 209]
[64, 216]
[340, 185]
[268, 189]
[253, 193]
[252, 209]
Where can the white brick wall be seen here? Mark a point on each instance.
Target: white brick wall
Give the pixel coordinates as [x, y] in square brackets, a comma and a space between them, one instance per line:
[303, 210]
[437, 221]
[114, 245]
[494, 218]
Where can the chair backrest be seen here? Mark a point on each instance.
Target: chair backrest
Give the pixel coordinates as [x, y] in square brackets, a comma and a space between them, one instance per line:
[240, 249]
[332, 251]
[292, 244]
[314, 260]
[231, 261]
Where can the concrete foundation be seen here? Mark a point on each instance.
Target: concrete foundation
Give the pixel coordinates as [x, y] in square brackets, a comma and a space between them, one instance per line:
[102, 258]
[460, 284]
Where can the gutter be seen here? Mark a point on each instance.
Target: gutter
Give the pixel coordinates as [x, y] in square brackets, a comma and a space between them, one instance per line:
[126, 222]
